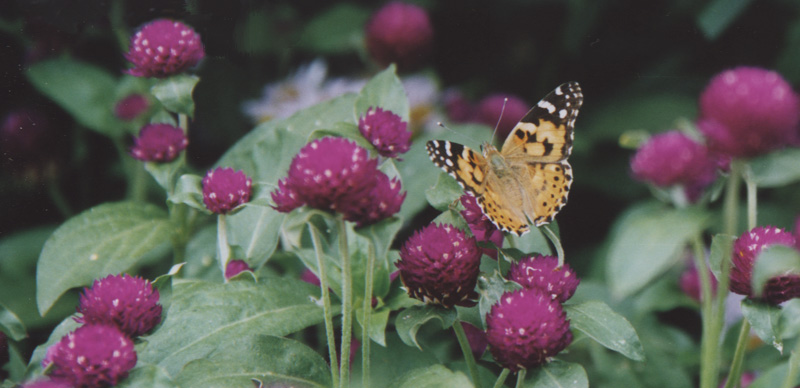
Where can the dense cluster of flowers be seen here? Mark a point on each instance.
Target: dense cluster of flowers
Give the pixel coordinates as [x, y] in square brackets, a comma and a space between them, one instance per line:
[224, 189]
[163, 48]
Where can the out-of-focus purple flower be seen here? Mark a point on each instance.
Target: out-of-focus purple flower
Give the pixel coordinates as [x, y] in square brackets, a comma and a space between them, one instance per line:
[163, 48]
[309, 277]
[159, 143]
[525, 328]
[749, 111]
[543, 273]
[92, 356]
[386, 131]
[26, 140]
[458, 108]
[440, 265]
[476, 338]
[490, 108]
[690, 282]
[131, 106]
[481, 227]
[399, 33]
[128, 302]
[745, 252]
[46, 384]
[224, 189]
[236, 267]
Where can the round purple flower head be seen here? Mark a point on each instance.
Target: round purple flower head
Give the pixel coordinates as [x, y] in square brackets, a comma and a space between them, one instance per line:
[383, 202]
[543, 273]
[47, 384]
[91, 356]
[440, 264]
[386, 131]
[163, 48]
[481, 227]
[131, 106]
[673, 158]
[128, 302]
[748, 111]
[399, 33]
[491, 107]
[690, 283]
[236, 267]
[159, 143]
[224, 189]
[525, 328]
[745, 252]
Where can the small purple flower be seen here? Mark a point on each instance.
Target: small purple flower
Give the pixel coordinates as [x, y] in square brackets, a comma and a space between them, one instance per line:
[673, 158]
[525, 328]
[309, 277]
[224, 189]
[159, 143]
[491, 107]
[543, 273]
[383, 202]
[386, 131]
[25, 139]
[749, 111]
[92, 356]
[236, 267]
[46, 384]
[163, 48]
[128, 302]
[440, 265]
[745, 252]
[458, 108]
[481, 227]
[131, 106]
[476, 338]
[690, 283]
[399, 33]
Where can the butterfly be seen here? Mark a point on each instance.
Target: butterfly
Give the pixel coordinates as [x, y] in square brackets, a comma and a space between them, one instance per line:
[527, 181]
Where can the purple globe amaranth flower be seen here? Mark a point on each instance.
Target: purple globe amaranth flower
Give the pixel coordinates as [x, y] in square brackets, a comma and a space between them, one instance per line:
[159, 143]
[440, 265]
[386, 131]
[673, 158]
[749, 111]
[745, 252]
[131, 106]
[543, 273]
[163, 48]
[383, 202]
[690, 283]
[327, 174]
[481, 227]
[92, 356]
[236, 267]
[399, 33]
[525, 328]
[490, 110]
[46, 384]
[128, 302]
[224, 189]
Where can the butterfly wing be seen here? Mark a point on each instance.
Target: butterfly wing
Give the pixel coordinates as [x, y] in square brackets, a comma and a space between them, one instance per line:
[501, 202]
[548, 188]
[546, 132]
[461, 162]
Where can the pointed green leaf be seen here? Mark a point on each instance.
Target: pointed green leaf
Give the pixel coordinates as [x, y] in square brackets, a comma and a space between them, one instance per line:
[411, 319]
[765, 320]
[721, 248]
[778, 168]
[386, 91]
[254, 231]
[11, 325]
[175, 93]
[165, 173]
[444, 193]
[434, 376]
[189, 191]
[557, 374]
[147, 376]
[599, 322]
[774, 261]
[106, 239]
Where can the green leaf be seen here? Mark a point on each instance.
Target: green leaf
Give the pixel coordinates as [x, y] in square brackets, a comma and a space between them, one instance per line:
[721, 248]
[11, 325]
[535, 241]
[774, 261]
[106, 239]
[147, 376]
[411, 319]
[175, 93]
[646, 240]
[189, 191]
[386, 91]
[337, 30]
[444, 193]
[599, 322]
[204, 317]
[433, 376]
[718, 15]
[390, 363]
[347, 130]
[490, 288]
[776, 169]
[165, 173]
[776, 376]
[271, 360]
[557, 374]
[378, 321]
[790, 318]
[83, 90]
[451, 217]
[254, 231]
[765, 320]
[63, 328]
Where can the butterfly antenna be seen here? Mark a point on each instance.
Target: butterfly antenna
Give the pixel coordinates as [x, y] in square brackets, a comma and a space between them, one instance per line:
[502, 110]
[462, 135]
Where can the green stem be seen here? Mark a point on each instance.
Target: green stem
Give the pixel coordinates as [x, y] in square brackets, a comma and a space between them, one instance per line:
[752, 198]
[521, 377]
[738, 356]
[467, 351]
[707, 360]
[223, 250]
[183, 122]
[792, 372]
[180, 231]
[116, 16]
[137, 176]
[58, 198]
[502, 378]
[347, 304]
[365, 340]
[556, 243]
[326, 303]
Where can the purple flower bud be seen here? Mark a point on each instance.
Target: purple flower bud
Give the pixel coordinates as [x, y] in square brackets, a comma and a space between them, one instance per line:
[525, 328]
[543, 273]
[236, 267]
[131, 106]
[491, 107]
[440, 265]
[386, 131]
[399, 33]
[224, 189]
[92, 356]
[383, 202]
[163, 48]
[745, 252]
[128, 302]
[159, 143]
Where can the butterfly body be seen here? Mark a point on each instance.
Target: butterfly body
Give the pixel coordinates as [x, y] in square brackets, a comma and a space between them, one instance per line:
[527, 181]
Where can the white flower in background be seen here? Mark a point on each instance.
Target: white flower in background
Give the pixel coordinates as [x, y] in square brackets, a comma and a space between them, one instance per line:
[305, 88]
[423, 97]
